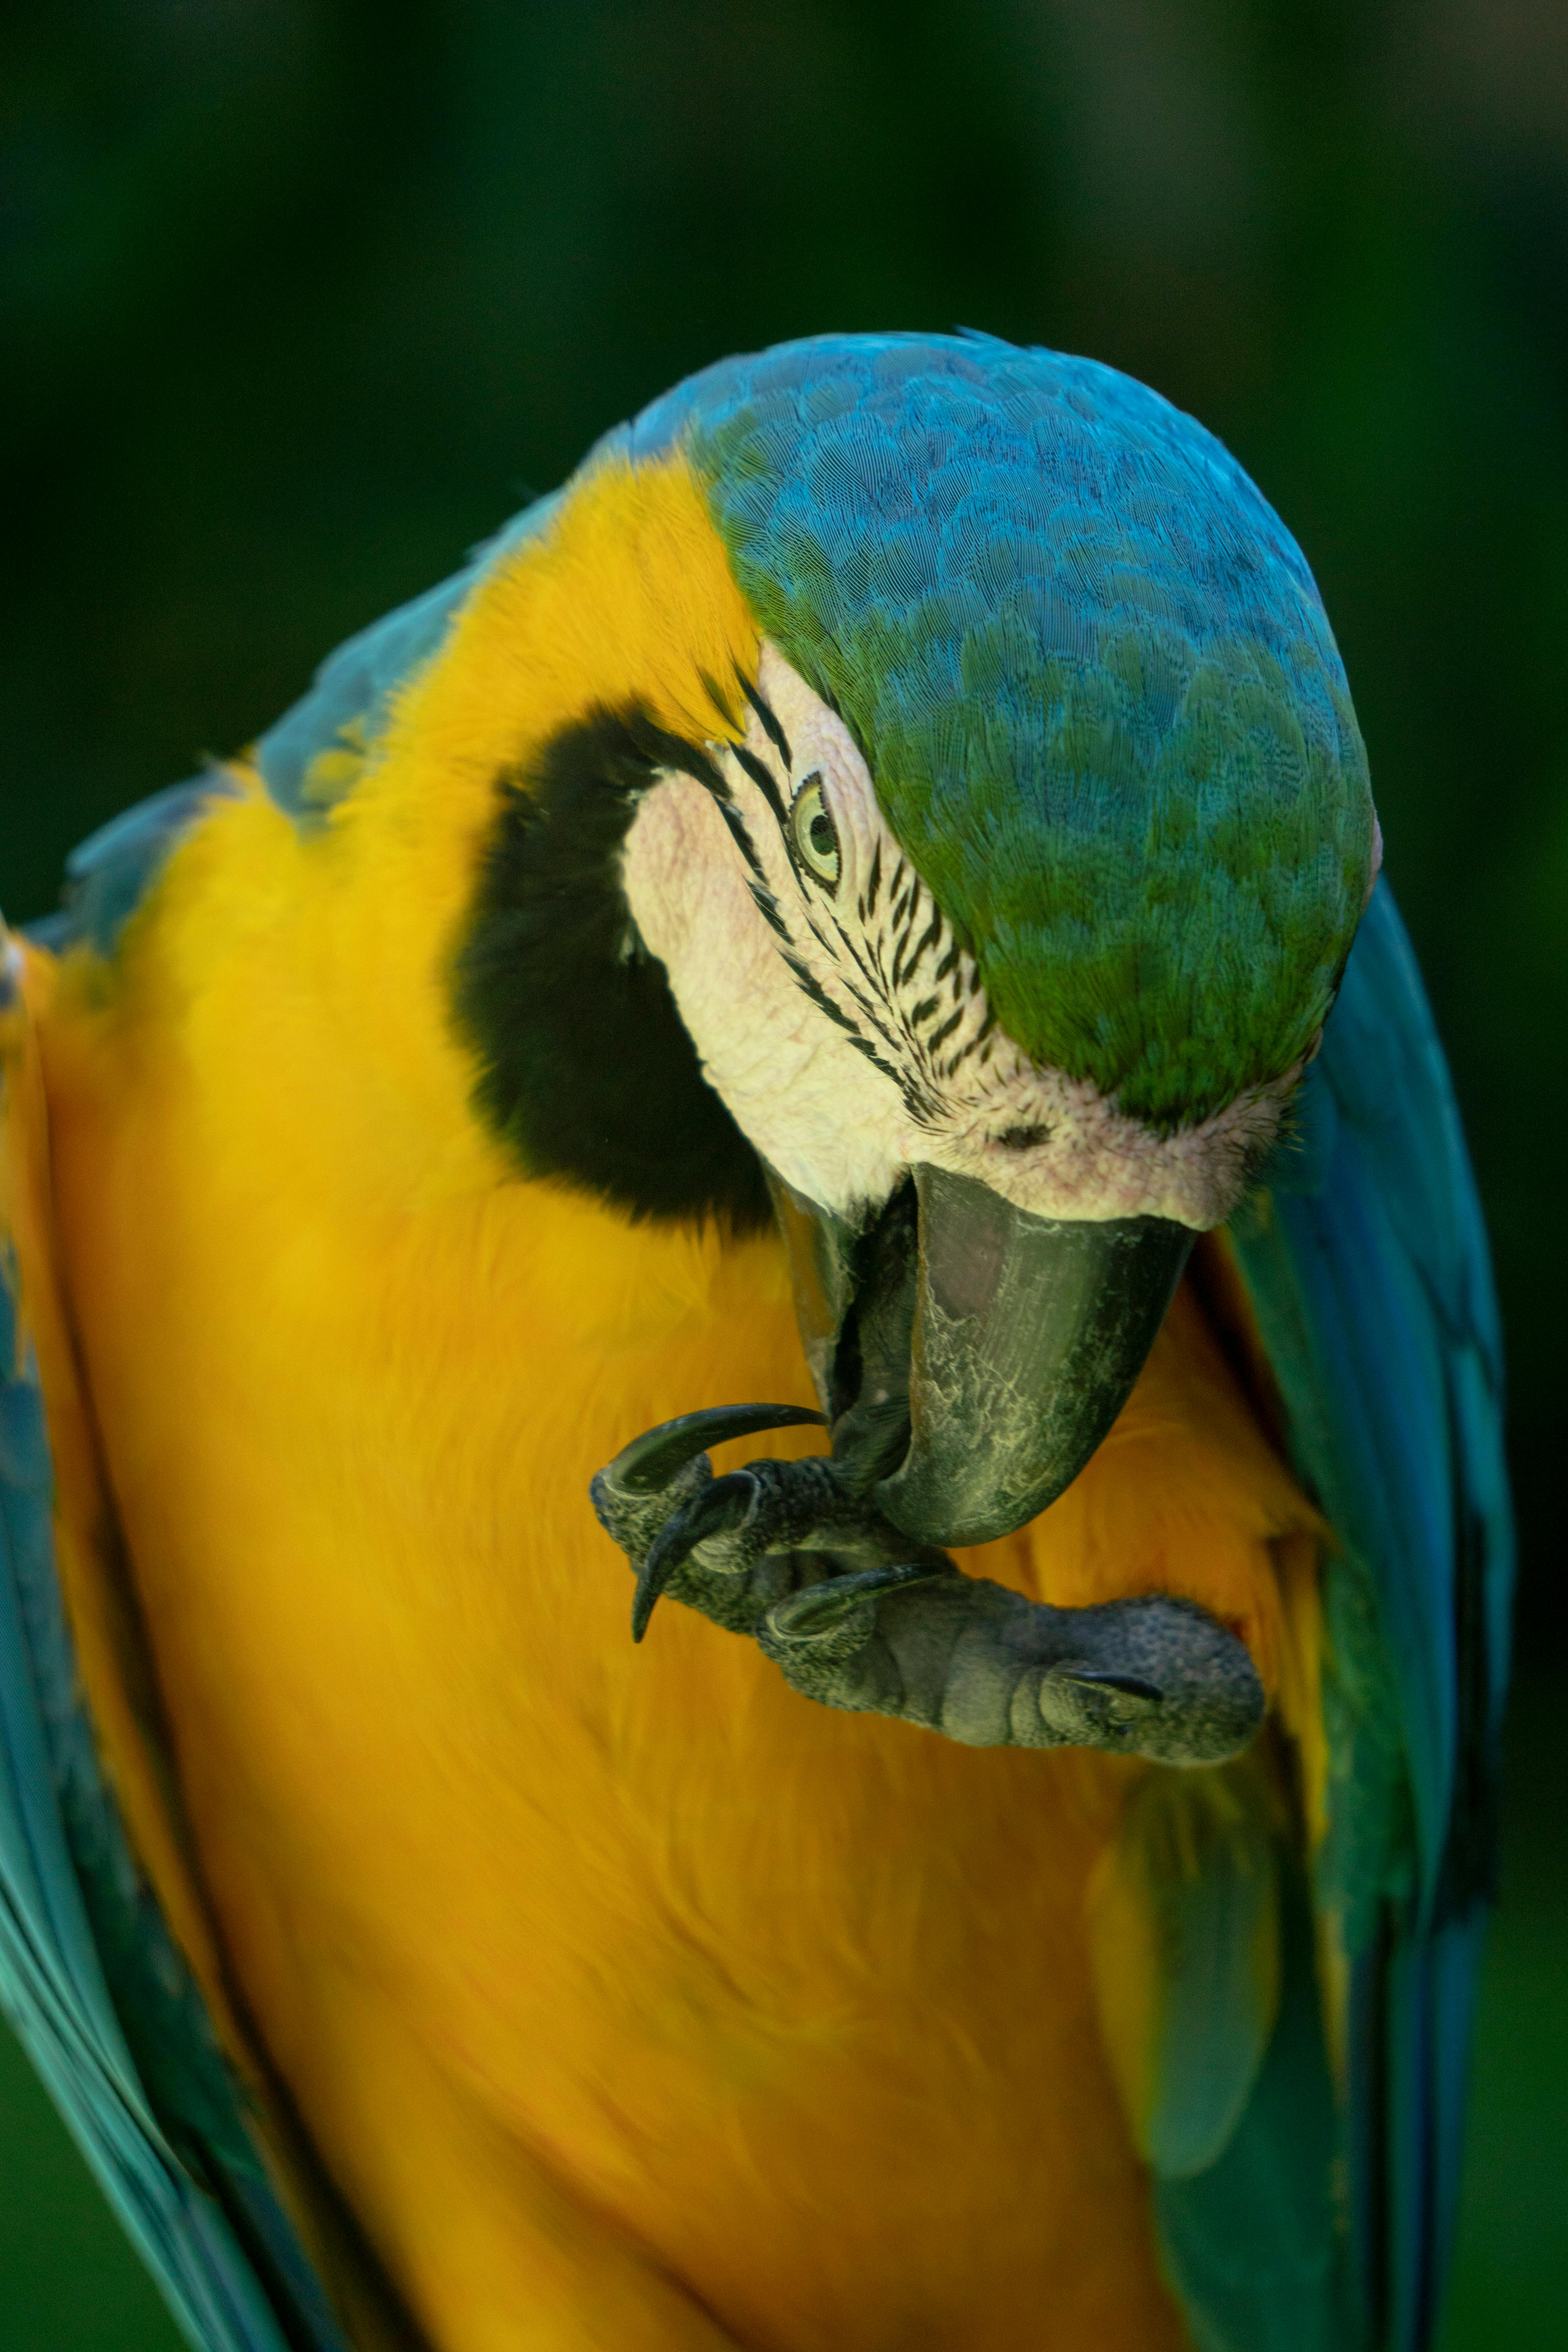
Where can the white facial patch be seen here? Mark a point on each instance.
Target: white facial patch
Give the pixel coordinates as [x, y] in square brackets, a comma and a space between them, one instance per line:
[842, 1024]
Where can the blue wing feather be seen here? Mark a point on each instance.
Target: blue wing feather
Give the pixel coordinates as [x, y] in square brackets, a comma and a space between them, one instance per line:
[353, 693]
[1251, 2243]
[345, 708]
[107, 873]
[1366, 1260]
[178, 2168]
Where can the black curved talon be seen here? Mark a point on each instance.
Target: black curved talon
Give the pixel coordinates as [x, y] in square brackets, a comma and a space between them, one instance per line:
[972, 1355]
[644, 1496]
[652, 1460]
[1130, 1686]
[720, 1510]
[1128, 1697]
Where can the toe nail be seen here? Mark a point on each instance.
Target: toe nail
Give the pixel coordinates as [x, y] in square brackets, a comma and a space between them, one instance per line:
[652, 1460]
[1130, 1694]
[816, 1610]
[718, 1510]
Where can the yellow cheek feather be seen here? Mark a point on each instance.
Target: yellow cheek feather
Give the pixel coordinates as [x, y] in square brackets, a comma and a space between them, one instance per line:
[629, 1998]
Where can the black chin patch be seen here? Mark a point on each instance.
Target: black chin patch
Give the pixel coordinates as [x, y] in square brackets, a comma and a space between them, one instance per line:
[586, 1069]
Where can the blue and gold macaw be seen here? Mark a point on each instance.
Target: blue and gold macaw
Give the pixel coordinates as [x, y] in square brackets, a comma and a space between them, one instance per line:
[865, 900]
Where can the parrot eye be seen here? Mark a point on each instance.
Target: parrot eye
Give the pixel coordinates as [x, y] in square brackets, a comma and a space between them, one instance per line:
[816, 834]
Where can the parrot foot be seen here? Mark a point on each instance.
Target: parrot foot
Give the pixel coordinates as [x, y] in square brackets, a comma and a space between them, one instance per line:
[856, 1616]
[662, 1504]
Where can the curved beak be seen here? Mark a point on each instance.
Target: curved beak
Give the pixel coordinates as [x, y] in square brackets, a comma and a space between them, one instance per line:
[970, 1357]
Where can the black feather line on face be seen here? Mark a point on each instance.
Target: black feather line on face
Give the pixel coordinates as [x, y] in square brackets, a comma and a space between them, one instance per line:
[928, 939]
[868, 1005]
[856, 958]
[722, 702]
[769, 717]
[761, 775]
[902, 969]
[810, 986]
[768, 907]
[740, 834]
[876, 1003]
[939, 1036]
[833, 940]
[977, 1043]
[585, 1069]
[873, 1013]
[868, 905]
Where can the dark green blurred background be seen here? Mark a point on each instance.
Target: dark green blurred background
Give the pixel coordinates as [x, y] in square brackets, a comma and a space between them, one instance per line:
[300, 298]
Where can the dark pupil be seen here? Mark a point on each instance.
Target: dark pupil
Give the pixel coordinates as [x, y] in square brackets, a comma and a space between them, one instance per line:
[821, 831]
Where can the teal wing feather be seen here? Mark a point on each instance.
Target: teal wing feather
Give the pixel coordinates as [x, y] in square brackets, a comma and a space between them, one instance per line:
[343, 712]
[1252, 2239]
[90, 1979]
[1366, 1262]
[107, 873]
[354, 691]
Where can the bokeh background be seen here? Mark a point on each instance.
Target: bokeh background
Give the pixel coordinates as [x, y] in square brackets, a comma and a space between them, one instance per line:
[301, 298]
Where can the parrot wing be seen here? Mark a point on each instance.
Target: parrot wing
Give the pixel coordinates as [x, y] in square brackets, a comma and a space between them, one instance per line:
[1365, 1262]
[309, 758]
[97, 1989]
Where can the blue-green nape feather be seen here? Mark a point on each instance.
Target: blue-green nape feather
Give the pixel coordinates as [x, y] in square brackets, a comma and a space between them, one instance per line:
[1367, 1265]
[90, 1978]
[1091, 674]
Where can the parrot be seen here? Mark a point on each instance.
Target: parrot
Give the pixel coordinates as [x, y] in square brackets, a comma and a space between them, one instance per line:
[754, 1563]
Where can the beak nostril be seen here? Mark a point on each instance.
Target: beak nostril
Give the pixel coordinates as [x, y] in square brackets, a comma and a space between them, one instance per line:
[1023, 1139]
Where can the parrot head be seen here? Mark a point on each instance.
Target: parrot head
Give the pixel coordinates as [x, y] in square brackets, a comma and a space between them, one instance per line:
[947, 837]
